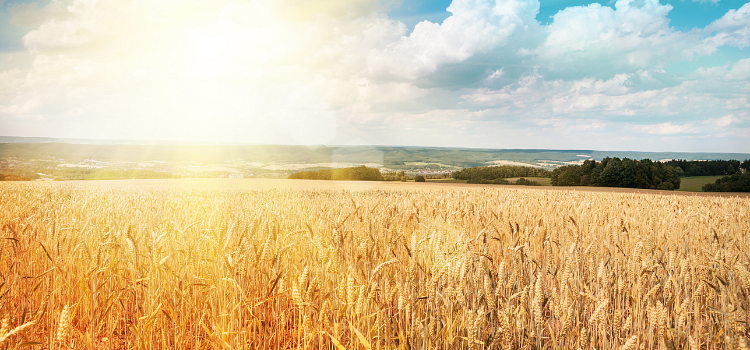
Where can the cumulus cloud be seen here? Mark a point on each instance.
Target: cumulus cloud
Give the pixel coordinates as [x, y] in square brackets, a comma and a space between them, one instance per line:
[475, 26]
[603, 41]
[615, 99]
[731, 29]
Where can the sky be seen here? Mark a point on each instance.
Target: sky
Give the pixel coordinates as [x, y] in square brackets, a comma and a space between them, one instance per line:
[630, 75]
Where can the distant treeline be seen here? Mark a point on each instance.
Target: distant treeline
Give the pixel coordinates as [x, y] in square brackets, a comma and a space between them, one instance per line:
[500, 181]
[525, 182]
[616, 172]
[738, 182]
[496, 174]
[705, 167]
[11, 177]
[360, 173]
[395, 176]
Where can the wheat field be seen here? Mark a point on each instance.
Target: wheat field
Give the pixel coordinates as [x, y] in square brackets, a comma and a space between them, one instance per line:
[96, 267]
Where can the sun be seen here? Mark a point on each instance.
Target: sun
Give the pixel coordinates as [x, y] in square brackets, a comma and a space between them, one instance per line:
[205, 54]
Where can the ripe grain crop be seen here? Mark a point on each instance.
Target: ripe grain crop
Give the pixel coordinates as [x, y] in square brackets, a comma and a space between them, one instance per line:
[157, 268]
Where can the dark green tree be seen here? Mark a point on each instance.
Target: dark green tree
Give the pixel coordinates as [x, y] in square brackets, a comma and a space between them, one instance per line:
[615, 172]
[498, 172]
[739, 182]
[611, 174]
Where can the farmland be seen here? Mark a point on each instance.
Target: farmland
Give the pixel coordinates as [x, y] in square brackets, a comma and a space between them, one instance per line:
[357, 265]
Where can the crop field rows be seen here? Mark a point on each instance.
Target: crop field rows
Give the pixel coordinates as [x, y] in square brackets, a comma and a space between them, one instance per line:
[476, 268]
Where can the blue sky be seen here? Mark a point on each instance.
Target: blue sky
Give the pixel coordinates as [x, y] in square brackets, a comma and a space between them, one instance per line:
[643, 75]
[685, 14]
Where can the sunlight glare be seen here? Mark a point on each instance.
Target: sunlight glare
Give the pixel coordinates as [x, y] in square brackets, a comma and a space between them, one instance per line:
[205, 53]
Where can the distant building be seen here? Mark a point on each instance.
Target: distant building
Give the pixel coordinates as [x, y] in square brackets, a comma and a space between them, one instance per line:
[236, 176]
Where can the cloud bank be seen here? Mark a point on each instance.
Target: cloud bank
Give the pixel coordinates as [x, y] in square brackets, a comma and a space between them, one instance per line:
[490, 75]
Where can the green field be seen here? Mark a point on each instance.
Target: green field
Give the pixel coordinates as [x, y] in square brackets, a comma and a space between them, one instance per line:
[695, 183]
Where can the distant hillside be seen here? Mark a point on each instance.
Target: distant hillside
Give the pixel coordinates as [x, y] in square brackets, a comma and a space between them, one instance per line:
[173, 153]
[400, 158]
[20, 139]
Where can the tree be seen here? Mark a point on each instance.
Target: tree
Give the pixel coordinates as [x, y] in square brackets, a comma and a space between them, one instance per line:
[669, 174]
[395, 176]
[569, 175]
[667, 186]
[419, 178]
[739, 182]
[628, 172]
[489, 173]
[615, 172]
[360, 173]
[526, 182]
[587, 169]
[679, 171]
[611, 175]
[694, 170]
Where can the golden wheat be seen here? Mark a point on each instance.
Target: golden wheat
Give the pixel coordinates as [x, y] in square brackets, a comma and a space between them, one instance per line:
[448, 269]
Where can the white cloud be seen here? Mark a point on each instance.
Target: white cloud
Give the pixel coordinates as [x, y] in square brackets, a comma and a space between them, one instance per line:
[725, 120]
[475, 26]
[740, 70]
[389, 93]
[10, 80]
[732, 29]
[615, 98]
[495, 75]
[733, 20]
[601, 41]
[667, 128]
